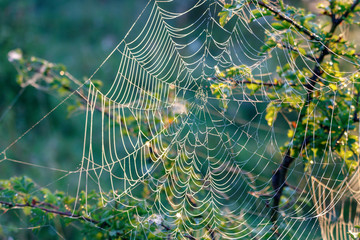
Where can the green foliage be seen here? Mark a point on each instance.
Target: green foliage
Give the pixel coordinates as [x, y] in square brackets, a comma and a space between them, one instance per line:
[97, 218]
[227, 13]
[320, 105]
[333, 98]
[328, 111]
[354, 235]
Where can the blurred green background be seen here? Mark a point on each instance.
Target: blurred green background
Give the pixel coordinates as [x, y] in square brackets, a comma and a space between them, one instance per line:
[79, 34]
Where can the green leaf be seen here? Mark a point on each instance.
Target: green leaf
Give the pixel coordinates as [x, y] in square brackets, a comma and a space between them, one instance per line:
[269, 44]
[280, 25]
[333, 86]
[258, 14]
[271, 114]
[223, 17]
[253, 86]
[97, 83]
[351, 165]
[302, 51]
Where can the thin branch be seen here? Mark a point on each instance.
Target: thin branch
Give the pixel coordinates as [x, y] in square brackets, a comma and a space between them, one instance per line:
[87, 101]
[185, 235]
[278, 180]
[283, 16]
[336, 141]
[232, 80]
[279, 176]
[189, 236]
[338, 21]
[356, 118]
[45, 204]
[66, 214]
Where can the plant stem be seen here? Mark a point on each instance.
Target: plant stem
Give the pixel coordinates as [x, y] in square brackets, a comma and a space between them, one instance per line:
[283, 16]
[279, 176]
[66, 214]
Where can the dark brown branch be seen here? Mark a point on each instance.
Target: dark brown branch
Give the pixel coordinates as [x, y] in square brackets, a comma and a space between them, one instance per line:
[44, 204]
[278, 179]
[338, 21]
[279, 176]
[66, 214]
[232, 80]
[336, 142]
[168, 229]
[356, 118]
[282, 16]
[165, 226]
[189, 236]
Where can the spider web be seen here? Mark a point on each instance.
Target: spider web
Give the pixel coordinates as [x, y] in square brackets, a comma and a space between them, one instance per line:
[201, 168]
